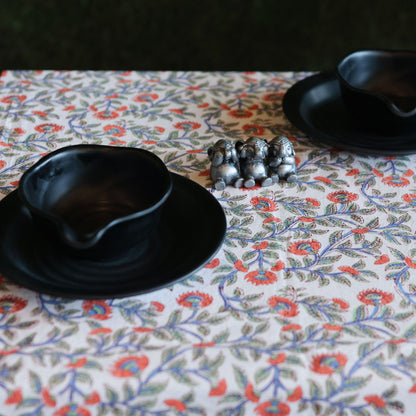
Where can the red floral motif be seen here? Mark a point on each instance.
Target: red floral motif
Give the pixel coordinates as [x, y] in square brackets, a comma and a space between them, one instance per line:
[342, 197]
[240, 113]
[362, 230]
[332, 327]
[204, 345]
[142, 329]
[382, 259]
[410, 262]
[375, 297]
[77, 364]
[72, 410]
[213, 264]
[187, 125]
[263, 204]
[274, 96]
[106, 115]
[291, 327]
[261, 277]
[130, 366]
[39, 113]
[18, 130]
[4, 353]
[48, 128]
[160, 129]
[349, 270]
[278, 359]
[253, 129]
[278, 266]
[296, 395]
[271, 219]
[13, 99]
[194, 299]
[304, 248]
[376, 400]
[410, 199]
[176, 404]
[117, 142]
[272, 408]
[313, 201]
[160, 307]
[143, 98]
[47, 399]
[15, 397]
[97, 309]
[10, 304]
[352, 172]
[93, 398]
[250, 394]
[204, 173]
[115, 130]
[240, 266]
[377, 173]
[396, 181]
[306, 219]
[101, 331]
[261, 246]
[396, 341]
[220, 389]
[341, 303]
[323, 179]
[328, 363]
[283, 306]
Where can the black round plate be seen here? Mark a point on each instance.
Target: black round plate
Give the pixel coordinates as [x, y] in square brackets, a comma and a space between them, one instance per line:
[191, 231]
[315, 106]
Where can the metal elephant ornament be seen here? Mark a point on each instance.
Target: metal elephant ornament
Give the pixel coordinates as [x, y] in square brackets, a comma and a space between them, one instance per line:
[281, 161]
[253, 154]
[225, 166]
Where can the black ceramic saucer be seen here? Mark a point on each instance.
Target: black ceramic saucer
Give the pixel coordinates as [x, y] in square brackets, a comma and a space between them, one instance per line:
[191, 231]
[315, 106]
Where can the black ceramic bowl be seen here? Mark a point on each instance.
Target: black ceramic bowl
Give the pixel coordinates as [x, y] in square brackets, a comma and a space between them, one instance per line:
[379, 88]
[98, 200]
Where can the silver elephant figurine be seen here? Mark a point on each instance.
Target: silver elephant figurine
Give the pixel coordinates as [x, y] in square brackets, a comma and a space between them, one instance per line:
[282, 162]
[253, 155]
[225, 166]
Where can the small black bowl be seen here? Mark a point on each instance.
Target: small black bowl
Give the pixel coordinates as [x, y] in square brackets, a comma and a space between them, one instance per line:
[379, 89]
[97, 200]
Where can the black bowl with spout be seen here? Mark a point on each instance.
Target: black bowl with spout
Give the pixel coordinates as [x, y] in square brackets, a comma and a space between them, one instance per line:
[98, 201]
[379, 89]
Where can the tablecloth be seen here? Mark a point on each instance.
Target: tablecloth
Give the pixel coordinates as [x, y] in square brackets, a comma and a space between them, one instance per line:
[307, 308]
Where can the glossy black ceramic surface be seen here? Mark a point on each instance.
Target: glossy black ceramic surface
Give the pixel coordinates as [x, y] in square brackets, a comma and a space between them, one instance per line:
[379, 88]
[92, 195]
[191, 230]
[315, 106]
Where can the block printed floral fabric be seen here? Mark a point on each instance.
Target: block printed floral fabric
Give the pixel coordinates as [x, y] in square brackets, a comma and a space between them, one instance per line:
[307, 309]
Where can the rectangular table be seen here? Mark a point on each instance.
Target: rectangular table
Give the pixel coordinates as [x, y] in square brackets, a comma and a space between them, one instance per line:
[307, 308]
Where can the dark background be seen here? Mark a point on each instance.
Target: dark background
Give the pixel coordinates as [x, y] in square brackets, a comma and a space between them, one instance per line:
[211, 35]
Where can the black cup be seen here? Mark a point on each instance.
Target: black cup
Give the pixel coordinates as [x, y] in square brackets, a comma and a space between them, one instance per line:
[379, 89]
[98, 201]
